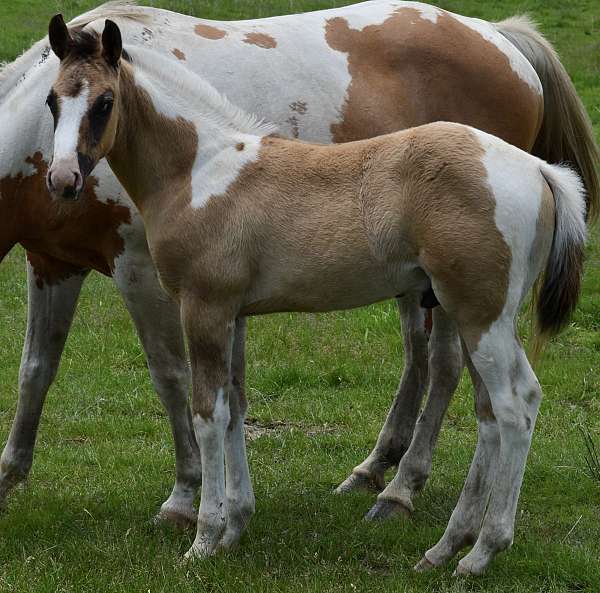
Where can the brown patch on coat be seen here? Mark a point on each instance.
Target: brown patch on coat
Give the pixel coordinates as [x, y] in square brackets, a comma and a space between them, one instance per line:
[49, 271]
[209, 32]
[360, 212]
[70, 236]
[178, 54]
[295, 125]
[444, 213]
[299, 107]
[409, 71]
[261, 40]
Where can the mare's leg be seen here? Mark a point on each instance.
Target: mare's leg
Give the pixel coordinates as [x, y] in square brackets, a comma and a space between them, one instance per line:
[514, 395]
[445, 369]
[158, 325]
[397, 432]
[49, 315]
[210, 334]
[240, 497]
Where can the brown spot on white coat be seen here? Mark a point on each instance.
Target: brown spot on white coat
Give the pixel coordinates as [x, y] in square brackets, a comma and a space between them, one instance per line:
[261, 40]
[209, 32]
[178, 54]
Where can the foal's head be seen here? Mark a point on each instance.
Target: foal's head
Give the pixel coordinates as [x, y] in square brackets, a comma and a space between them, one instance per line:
[84, 102]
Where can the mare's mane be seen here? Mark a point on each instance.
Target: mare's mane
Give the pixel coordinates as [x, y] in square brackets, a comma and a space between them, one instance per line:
[12, 73]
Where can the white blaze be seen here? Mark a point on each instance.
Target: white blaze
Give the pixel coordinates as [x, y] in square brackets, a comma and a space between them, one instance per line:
[71, 112]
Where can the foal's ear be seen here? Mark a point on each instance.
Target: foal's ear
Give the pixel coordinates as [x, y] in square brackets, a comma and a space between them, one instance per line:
[112, 45]
[59, 35]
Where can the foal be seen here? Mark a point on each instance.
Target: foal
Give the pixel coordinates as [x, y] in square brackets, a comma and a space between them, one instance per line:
[240, 222]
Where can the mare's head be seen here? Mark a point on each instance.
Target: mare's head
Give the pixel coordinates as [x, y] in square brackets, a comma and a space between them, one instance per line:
[84, 102]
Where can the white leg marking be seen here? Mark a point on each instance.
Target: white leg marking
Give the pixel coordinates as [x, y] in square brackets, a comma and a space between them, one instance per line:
[210, 433]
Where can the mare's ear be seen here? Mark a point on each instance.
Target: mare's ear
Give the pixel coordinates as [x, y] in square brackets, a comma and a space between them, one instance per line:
[112, 44]
[59, 35]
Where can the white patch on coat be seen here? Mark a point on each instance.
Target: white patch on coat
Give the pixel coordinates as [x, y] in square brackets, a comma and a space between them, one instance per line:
[213, 177]
[228, 137]
[71, 113]
[517, 184]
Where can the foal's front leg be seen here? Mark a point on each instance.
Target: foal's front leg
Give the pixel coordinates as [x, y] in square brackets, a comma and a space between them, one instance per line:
[240, 497]
[210, 334]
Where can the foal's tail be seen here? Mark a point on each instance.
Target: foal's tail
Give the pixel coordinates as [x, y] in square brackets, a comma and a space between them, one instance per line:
[566, 134]
[558, 294]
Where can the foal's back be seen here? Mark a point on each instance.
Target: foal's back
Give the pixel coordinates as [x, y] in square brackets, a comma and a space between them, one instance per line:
[326, 227]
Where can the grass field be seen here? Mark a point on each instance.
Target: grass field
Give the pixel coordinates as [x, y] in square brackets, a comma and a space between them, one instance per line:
[104, 459]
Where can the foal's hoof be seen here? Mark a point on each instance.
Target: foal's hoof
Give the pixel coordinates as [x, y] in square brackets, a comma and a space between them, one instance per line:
[424, 565]
[467, 568]
[199, 552]
[386, 508]
[364, 482]
[177, 518]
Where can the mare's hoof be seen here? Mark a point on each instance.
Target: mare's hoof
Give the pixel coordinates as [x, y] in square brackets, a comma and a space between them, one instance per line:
[176, 518]
[386, 508]
[364, 482]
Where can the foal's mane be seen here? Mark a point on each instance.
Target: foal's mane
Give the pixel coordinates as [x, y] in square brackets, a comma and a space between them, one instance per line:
[12, 72]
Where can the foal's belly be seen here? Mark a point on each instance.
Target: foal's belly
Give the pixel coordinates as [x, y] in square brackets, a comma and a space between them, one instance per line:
[312, 286]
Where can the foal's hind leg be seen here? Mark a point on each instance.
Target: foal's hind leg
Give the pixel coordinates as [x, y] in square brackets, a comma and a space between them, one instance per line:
[397, 432]
[465, 522]
[514, 395]
[49, 316]
[445, 369]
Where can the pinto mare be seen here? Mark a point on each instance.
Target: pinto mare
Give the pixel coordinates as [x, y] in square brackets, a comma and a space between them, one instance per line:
[241, 222]
[332, 75]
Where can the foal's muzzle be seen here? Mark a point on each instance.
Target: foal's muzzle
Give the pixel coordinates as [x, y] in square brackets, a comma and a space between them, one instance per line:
[64, 181]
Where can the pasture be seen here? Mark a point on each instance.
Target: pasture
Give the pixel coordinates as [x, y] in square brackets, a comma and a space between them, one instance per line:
[319, 388]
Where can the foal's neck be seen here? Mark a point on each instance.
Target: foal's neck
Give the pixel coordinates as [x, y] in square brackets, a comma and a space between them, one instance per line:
[160, 142]
[152, 155]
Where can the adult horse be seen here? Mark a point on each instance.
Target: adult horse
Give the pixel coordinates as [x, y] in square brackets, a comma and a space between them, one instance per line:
[333, 75]
[240, 222]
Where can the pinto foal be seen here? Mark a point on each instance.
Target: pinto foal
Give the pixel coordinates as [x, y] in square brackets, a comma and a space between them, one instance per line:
[240, 222]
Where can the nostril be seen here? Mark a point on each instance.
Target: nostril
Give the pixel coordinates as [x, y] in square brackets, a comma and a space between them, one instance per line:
[50, 184]
[77, 182]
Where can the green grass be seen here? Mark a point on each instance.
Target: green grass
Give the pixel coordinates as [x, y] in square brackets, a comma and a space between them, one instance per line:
[104, 459]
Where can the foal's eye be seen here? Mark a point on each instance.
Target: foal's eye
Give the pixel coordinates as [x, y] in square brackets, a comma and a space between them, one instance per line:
[103, 105]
